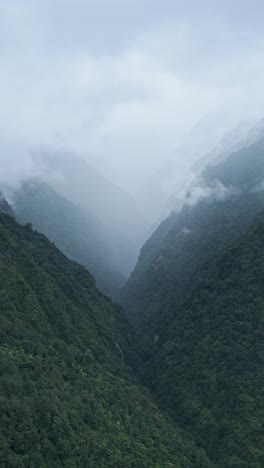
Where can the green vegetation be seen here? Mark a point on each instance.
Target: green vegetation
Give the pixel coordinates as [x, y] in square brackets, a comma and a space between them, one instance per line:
[164, 278]
[77, 234]
[67, 394]
[70, 363]
[208, 370]
[196, 299]
[4, 206]
[244, 169]
[164, 275]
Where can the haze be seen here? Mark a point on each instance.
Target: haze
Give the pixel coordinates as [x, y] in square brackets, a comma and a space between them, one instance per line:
[136, 87]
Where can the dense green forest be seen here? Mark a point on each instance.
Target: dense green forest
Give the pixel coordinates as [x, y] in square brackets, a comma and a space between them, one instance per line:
[131, 234]
[76, 233]
[68, 393]
[182, 385]
[196, 299]
[163, 276]
[208, 370]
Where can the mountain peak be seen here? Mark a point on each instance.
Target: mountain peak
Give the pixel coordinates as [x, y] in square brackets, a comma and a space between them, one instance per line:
[4, 205]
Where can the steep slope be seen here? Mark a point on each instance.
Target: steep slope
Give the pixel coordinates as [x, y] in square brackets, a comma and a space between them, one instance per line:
[207, 139]
[244, 135]
[244, 169]
[116, 210]
[78, 234]
[4, 206]
[67, 395]
[208, 370]
[218, 208]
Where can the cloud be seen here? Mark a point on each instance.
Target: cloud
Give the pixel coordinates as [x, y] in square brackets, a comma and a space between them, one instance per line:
[213, 192]
[123, 82]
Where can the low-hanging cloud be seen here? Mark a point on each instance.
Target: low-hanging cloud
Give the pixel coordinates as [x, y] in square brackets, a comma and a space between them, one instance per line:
[123, 82]
[216, 191]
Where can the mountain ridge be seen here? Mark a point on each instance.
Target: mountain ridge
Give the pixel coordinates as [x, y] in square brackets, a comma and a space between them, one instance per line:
[68, 396]
[77, 233]
[210, 217]
[211, 355]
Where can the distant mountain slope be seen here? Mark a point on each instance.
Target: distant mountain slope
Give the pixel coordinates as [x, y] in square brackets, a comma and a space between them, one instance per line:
[116, 210]
[243, 169]
[243, 136]
[4, 206]
[208, 143]
[78, 234]
[208, 369]
[67, 395]
[218, 208]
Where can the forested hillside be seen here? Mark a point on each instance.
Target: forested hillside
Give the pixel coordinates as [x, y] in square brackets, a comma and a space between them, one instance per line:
[243, 169]
[196, 299]
[208, 369]
[218, 208]
[131, 234]
[4, 206]
[68, 394]
[78, 234]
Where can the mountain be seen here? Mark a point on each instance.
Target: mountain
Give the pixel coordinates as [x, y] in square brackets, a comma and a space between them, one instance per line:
[4, 206]
[117, 211]
[68, 395]
[207, 144]
[196, 300]
[78, 234]
[218, 208]
[244, 135]
[208, 370]
[243, 169]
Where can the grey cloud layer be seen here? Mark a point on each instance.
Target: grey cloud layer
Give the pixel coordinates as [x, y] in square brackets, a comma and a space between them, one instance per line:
[124, 81]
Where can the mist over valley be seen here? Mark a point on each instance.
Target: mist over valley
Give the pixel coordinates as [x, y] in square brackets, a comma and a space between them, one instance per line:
[131, 234]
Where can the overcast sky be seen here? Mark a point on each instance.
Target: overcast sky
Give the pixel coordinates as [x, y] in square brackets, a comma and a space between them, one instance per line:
[124, 81]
